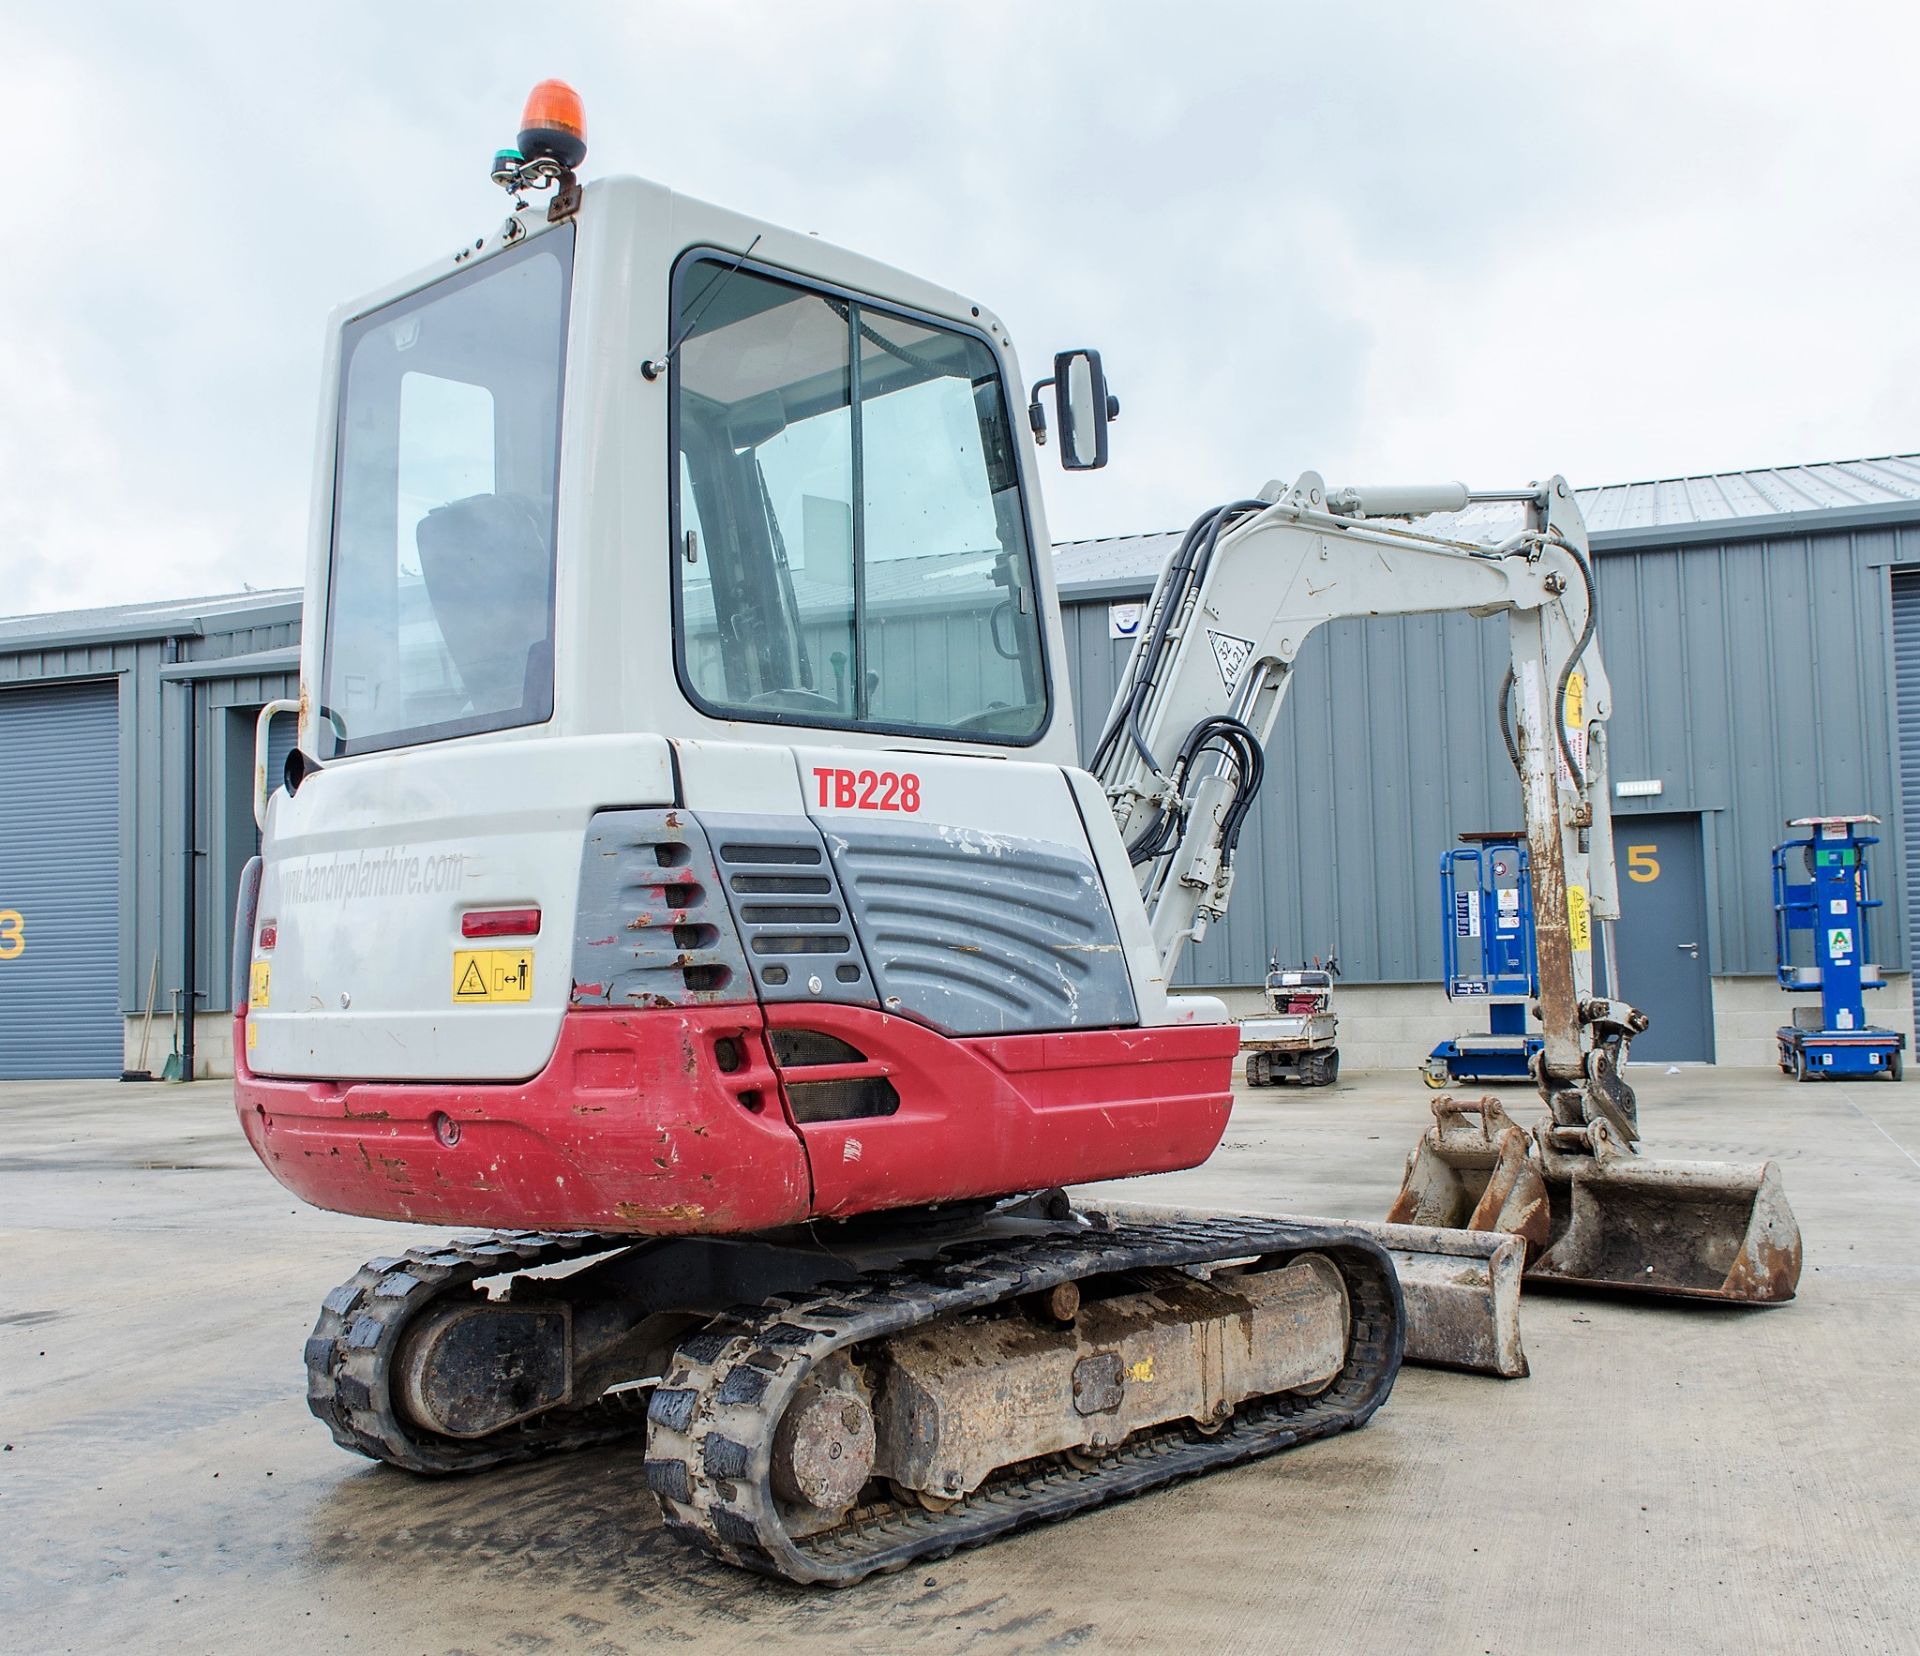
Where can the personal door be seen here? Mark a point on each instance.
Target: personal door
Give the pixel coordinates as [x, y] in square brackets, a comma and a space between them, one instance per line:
[1660, 942]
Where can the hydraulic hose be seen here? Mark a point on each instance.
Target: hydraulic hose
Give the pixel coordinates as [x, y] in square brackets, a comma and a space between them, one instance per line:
[1503, 706]
[1184, 573]
[1566, 672]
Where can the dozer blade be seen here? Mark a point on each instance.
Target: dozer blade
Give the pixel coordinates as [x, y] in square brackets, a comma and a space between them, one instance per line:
[1471, 1171]
[1697, 1229]
[1461, 1287]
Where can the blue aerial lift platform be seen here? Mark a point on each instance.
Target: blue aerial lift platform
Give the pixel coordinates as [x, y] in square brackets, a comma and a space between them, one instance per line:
[1831, 906]
[1486, 942]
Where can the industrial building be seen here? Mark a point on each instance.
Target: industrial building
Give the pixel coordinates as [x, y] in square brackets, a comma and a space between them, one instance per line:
[1761, 630]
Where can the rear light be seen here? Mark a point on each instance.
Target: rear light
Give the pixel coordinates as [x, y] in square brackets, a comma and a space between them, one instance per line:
[519, 922]
[269, 935]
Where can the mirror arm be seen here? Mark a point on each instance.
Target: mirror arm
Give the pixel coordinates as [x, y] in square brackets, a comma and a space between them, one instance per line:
[1036, 415]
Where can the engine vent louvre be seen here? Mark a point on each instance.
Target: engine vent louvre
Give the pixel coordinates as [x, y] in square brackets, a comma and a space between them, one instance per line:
[799, 939]
[799, 1048]
[654, 927]
[838, 1097]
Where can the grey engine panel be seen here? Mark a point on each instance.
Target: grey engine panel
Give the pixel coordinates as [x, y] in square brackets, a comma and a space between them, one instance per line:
[653, 927]
[973, 933]
[800, 941]
[982, 934]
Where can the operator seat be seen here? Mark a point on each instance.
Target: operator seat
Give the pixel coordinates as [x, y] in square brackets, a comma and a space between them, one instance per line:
[487, 562]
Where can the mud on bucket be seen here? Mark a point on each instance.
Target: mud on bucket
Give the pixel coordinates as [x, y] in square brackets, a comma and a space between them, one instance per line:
[1699, 1229]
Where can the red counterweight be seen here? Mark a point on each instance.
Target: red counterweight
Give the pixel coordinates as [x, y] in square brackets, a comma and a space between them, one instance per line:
[679, 1121]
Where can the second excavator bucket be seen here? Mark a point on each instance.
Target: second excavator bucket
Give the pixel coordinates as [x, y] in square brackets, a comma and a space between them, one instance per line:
[1461, 1287]
[1697, 1229]
[1595, 1214]
[1471, 1171]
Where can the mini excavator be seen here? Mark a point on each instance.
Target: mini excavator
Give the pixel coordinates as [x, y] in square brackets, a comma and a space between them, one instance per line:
[686, 877]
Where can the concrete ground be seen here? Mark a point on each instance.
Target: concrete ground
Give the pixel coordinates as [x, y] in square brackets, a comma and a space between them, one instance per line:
[1670, 1478]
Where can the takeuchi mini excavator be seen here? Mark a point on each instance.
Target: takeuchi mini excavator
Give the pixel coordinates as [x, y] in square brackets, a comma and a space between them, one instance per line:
[686, 875]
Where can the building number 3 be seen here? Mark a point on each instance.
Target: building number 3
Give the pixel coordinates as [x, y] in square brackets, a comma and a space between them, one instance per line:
[1642, 865]
[13, 934]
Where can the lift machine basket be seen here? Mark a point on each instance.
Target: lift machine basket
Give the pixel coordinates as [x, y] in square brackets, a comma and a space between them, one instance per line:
[1830, 905]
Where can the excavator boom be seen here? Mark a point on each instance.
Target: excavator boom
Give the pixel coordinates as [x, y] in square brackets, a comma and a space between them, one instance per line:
[1180, 758]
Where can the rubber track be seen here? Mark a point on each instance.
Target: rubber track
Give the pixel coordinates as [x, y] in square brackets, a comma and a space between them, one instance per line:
[711, 1423]
[351, 1351]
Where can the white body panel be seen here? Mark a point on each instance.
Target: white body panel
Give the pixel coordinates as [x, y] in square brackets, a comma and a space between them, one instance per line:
[1014, 798]
[1302, 1029]
[367, 873]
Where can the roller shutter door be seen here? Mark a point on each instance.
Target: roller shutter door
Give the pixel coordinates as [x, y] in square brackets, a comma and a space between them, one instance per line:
[60, 881]
[1906, 678]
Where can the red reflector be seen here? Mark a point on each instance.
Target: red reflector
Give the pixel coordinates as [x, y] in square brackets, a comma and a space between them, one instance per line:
[269, 935]
[500, 923]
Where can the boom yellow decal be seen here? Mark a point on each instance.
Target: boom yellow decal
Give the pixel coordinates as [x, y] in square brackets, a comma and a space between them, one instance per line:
[261, 983]
[1579, 930]
[492, 975]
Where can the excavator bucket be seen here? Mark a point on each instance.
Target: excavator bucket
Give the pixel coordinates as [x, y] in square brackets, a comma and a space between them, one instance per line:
[1461, 1287]
[1471, 1171]
[1594, 1214]
[1696, 1229]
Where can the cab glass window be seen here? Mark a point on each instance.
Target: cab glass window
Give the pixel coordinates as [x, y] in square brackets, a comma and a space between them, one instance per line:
[440, 589]
[850, 544]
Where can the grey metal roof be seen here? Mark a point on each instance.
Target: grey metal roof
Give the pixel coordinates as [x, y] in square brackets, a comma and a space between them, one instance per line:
[1834, 494]
[161, 619]
[1774, 491]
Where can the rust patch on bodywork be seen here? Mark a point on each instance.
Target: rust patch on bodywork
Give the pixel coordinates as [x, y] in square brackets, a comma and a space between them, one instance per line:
[676, 1213]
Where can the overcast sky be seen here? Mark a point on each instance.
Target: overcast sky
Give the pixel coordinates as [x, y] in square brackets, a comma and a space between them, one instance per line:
[1391, 242]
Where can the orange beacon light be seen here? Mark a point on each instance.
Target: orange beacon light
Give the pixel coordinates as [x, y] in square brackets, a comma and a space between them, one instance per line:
[554, 125]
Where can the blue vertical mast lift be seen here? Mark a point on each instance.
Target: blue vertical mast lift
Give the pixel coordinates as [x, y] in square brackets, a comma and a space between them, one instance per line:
[1831, 905]
[1486, 943]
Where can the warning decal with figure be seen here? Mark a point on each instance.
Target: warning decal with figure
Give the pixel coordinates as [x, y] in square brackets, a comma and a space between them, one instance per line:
[492, 975]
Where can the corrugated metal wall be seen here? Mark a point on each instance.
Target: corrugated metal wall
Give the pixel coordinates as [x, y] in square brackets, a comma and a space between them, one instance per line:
[1753, 679]
[150, 807]
[1906, 655]
[59, 880]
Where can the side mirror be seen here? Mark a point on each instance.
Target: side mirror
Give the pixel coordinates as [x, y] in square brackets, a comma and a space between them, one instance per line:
[1083, 407]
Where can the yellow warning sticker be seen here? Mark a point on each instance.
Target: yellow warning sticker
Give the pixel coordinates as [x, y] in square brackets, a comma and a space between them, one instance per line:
[260, 983]
[253, 1035]
[1576, 700]
[1578, 927]
[492, 975]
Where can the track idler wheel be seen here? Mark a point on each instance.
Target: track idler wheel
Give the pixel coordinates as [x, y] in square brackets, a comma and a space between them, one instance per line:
[823, 1450]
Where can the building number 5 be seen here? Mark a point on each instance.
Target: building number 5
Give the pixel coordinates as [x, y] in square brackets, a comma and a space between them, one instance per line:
[13, 934]
[1642, 864]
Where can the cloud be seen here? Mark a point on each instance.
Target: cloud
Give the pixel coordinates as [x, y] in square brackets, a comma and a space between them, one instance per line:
[1384, 241]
